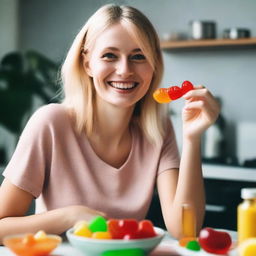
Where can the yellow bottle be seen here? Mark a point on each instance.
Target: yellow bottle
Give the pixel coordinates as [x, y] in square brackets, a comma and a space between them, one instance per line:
[188, 221]
[246, 215]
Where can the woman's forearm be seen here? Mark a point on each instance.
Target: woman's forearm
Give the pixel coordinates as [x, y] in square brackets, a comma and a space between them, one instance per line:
[52, 222]
[190, 188]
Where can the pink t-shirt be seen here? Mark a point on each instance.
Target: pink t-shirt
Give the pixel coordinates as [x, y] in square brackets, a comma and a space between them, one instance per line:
[59, 167]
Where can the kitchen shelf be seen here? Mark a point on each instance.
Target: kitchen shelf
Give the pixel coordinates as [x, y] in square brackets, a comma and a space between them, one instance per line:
[225, 172]
[245, 43]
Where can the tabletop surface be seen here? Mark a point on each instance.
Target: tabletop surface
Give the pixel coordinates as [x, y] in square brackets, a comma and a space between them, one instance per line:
[168, 247]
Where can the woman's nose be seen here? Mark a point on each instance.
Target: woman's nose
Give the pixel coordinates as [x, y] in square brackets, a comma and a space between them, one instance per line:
[124, 68]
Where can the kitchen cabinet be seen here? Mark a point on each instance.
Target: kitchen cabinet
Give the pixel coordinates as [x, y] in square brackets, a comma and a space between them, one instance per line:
[245, 43]
[222, 199]
[223, 186]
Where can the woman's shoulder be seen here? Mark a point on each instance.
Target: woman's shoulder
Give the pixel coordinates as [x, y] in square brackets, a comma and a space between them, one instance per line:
[51, 110]
[51, 114]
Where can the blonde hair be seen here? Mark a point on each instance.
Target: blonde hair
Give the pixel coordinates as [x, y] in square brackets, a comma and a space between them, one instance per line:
[78, 86]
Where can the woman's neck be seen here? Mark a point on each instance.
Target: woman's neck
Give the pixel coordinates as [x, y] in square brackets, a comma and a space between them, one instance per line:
[111, 123]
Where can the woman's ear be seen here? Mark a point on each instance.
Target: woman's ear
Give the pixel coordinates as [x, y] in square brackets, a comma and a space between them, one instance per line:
[86, 64]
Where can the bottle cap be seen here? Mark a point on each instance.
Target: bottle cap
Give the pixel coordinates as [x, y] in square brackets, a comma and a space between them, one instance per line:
[248, 193]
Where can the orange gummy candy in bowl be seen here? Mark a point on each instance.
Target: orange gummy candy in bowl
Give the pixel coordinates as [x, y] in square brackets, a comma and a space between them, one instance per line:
[39, 244]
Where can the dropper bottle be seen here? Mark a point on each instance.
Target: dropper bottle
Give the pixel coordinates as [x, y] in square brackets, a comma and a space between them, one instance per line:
[246, 215]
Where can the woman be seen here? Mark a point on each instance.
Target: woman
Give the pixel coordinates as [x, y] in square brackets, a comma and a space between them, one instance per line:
[101, 151]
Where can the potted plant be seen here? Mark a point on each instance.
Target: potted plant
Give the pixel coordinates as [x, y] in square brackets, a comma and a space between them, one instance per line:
[24, 77]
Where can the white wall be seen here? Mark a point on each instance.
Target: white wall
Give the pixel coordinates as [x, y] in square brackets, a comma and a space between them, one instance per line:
[50, 26]
[8, 42]
[8, 26]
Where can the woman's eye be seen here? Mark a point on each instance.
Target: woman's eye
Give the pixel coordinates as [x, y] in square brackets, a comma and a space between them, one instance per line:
[109, 56]
[138, 57]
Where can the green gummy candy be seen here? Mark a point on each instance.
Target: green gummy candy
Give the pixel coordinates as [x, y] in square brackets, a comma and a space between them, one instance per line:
[124, 252]
[98, 224]
[193, 246]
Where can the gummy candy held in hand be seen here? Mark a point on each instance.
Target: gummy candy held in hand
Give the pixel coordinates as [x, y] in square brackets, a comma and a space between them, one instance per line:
[166, 95]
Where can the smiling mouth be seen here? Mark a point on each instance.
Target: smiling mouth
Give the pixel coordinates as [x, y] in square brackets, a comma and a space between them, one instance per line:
[123, 85]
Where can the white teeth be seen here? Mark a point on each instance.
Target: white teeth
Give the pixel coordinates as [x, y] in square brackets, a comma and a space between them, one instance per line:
[123, 85]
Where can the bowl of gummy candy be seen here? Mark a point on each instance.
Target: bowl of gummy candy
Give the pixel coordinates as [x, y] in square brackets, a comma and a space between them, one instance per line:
[112, 237]
[38, 244]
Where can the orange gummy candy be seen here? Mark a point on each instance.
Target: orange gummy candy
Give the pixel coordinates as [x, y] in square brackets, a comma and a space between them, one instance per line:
[29, 240]
[161, 95]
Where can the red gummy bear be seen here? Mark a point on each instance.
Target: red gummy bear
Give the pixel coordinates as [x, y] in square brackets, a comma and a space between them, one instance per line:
[214, 241]
[186, 86]
[146, 229]
[166, 95]
[121, 228]
[130, 229]
[114, 229]
[175, 92]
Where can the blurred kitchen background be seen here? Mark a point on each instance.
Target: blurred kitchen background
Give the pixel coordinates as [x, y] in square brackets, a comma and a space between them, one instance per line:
[35, 37]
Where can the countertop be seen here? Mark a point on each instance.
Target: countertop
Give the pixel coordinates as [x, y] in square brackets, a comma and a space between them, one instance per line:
[168, 247]
[225, 172]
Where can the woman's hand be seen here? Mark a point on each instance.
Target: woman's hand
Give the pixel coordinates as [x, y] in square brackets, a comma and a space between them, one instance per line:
[79, 212]
[200, 111]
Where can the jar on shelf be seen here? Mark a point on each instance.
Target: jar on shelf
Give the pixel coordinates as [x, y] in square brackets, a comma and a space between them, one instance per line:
[246, 215]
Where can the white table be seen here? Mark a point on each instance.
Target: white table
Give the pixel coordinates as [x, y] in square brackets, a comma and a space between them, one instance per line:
[64, 249]
[168, 247]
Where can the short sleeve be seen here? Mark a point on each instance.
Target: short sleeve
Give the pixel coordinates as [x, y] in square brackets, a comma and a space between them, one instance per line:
[169, 157]
[31, 157]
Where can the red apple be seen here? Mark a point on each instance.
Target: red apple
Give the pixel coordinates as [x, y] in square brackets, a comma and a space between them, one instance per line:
[214, 241]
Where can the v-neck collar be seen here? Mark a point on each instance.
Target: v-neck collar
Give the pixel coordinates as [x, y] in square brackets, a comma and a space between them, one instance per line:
[109, 166]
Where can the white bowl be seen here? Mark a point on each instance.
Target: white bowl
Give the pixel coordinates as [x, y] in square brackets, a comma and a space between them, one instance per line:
[96, 247]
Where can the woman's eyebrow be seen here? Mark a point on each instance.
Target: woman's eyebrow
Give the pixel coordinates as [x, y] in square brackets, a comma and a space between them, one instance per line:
[137, 50]
[111, 48]
[116, 49]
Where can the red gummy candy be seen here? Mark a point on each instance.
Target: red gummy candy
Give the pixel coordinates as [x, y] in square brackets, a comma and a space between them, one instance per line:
[175, 92]
[114, 229]
[121, 228]
[130, 229]
[129, 226]
[214, 241]
[186, 86]
[131, 236]
[166, 95]
[146, 229]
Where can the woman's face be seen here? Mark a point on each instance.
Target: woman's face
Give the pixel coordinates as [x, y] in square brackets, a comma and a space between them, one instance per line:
[119, 69]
